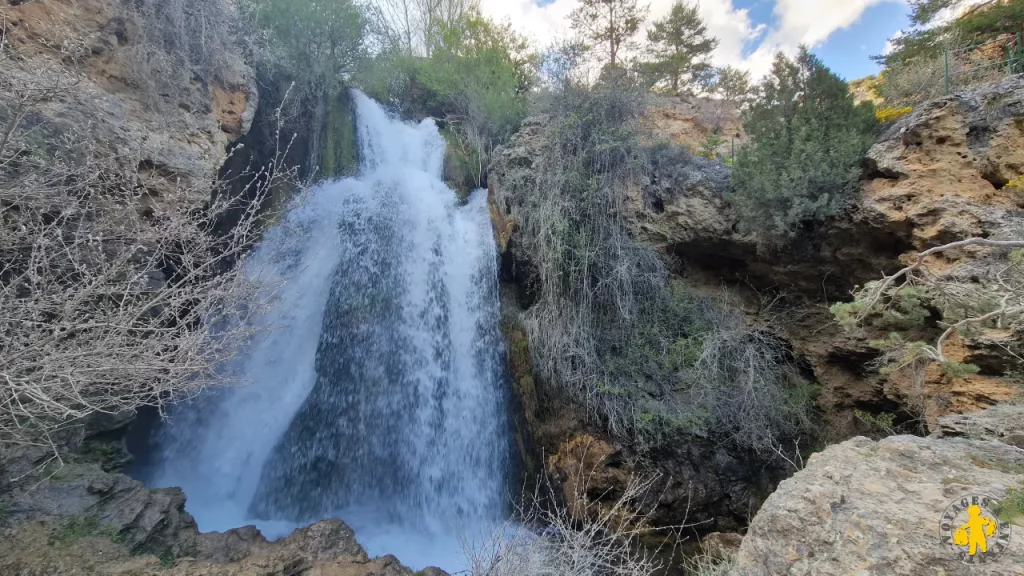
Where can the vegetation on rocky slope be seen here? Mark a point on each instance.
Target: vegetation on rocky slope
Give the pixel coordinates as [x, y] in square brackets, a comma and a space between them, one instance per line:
[648, 358]
[117, 252]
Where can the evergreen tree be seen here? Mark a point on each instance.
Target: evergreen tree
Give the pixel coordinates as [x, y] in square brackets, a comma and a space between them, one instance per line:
[609, 25]
[807, 139]
[680, 46]
[731, 89]
[732, 85]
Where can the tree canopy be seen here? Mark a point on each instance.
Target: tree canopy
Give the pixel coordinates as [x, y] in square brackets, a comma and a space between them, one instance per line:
[807, 140]
[939, 23]
[609, 25]
[680, 46]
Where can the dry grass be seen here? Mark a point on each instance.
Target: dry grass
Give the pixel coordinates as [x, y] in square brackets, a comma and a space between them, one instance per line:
[546, 539]
[924, 78]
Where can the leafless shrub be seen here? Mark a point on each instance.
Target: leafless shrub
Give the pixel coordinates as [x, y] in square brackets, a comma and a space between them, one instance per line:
[744, 386]
[546, 539]
[111, 298]
[176, 38]
[706, 565]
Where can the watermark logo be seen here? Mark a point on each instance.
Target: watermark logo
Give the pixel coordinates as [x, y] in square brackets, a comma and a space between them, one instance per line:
[972, 530]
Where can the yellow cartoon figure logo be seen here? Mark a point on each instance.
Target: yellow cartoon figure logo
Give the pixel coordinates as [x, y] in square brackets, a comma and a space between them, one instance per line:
[973, 530]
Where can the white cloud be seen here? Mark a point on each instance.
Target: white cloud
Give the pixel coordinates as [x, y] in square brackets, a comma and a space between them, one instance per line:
[795, 22]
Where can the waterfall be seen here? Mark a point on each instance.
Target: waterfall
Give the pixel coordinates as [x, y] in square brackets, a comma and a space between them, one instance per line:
[377, 394]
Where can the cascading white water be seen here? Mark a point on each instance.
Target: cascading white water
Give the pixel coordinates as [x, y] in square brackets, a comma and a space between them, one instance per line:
[378, 394]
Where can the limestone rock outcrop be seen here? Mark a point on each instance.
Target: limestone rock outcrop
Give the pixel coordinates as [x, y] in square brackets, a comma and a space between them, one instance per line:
[866, 507]
[937, 175]
[87, 54]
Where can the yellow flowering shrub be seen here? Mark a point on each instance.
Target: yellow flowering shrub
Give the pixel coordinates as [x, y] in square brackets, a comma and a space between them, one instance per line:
[891, 113]
[1015, 187]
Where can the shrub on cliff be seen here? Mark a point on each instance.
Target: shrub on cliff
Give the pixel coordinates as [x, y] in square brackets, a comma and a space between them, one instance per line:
[173, 39]
[317, 44]
[648, 359]
[807, 139]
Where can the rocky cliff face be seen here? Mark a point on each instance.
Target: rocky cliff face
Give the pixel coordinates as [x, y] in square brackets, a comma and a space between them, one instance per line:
[75, 70]
[935, 176]
[81, 520]
[87, 54]
[698, 480]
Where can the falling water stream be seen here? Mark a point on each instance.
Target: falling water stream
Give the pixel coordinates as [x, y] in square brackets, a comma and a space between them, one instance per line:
[377, 392]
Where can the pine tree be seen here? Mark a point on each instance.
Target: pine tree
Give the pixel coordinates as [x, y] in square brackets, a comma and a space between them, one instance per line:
[608, 24]
[807, 139]
[680, 46]
[731, 89]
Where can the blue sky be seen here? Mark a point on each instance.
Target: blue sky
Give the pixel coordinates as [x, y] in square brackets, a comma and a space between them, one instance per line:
[846, 50]
[844, 33]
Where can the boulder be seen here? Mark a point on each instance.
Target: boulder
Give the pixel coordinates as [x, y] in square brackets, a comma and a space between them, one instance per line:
[866, 507]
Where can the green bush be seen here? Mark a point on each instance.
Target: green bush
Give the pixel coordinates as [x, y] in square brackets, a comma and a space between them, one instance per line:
[309, 50]
[932, 31]
[807, 139]
[318, 44]
[475, 81]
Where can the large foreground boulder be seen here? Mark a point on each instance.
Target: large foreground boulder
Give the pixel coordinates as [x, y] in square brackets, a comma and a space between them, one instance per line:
[875, 508]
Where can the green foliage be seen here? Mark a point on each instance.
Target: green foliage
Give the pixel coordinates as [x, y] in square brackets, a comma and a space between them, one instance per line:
[1011, 506]
[679, 47]
[709, 147]
[650, 359]
[807, 141]
[847, 314]
[608, 26]
[804, 395]
[906, 306]
[78, 527]
[930, 35]
[732, 85]
[476, 80]
[958, 370]
[338, 147]
[319, 43]
[463, 166]
[882, 424]
[310, 49]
